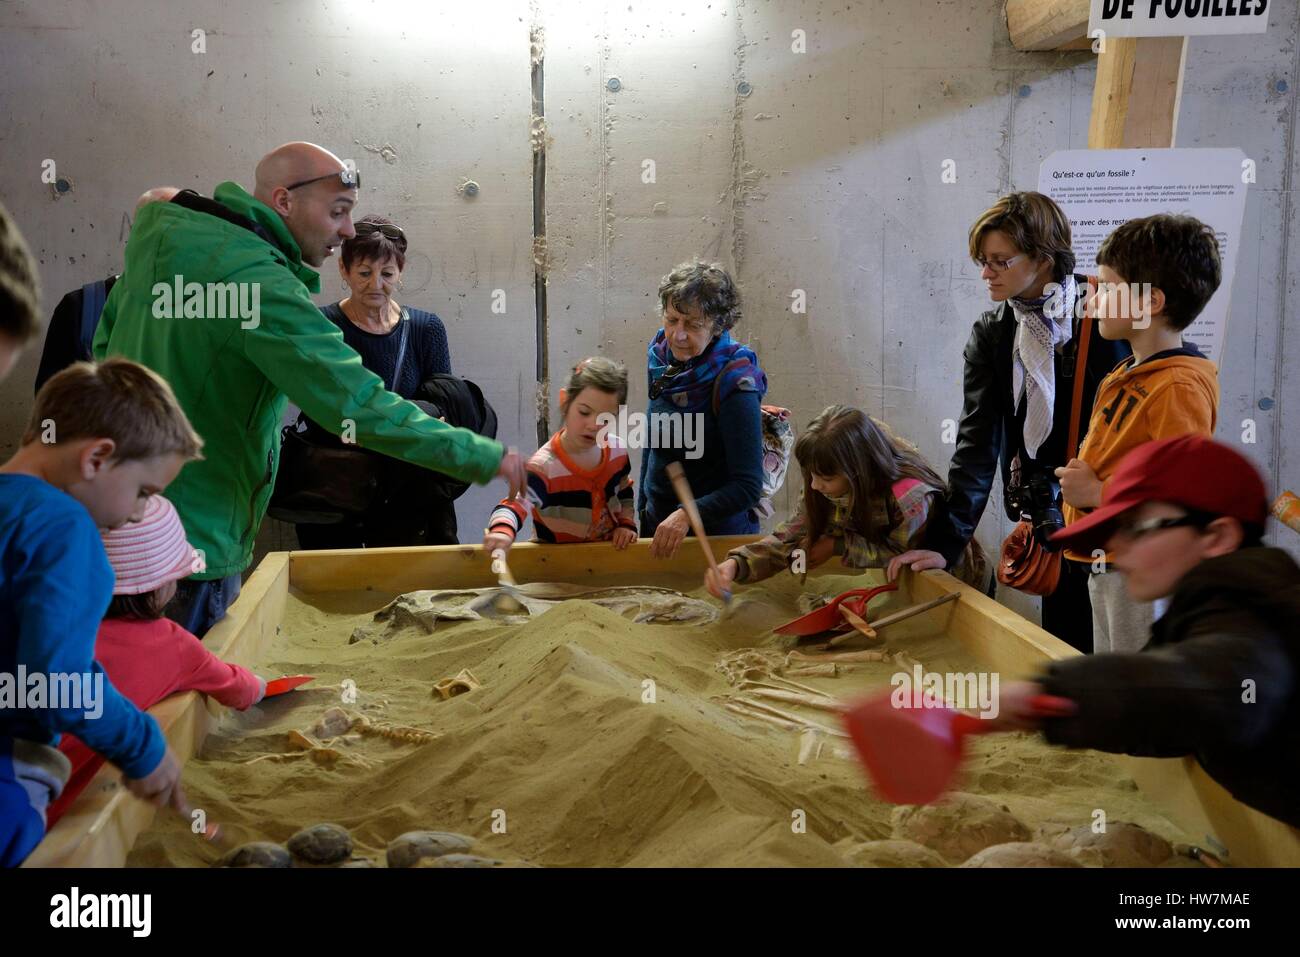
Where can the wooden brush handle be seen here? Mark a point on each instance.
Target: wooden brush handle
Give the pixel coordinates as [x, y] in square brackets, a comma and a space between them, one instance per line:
[914, 610]
[683, 490]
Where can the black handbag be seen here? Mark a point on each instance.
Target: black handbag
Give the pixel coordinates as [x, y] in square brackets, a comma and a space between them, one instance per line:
[323, 480]
[323, 484]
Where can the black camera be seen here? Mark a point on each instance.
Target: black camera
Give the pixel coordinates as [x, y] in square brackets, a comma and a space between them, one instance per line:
[1039, 499]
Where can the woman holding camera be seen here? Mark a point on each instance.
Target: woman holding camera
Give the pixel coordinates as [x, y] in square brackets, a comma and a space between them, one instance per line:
[1021, 363]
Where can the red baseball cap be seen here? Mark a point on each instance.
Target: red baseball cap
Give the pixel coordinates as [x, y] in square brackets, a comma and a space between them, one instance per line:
[1192, 471]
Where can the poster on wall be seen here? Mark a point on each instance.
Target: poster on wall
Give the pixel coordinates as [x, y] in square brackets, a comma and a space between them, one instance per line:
[1100, 190]
[1177, 18]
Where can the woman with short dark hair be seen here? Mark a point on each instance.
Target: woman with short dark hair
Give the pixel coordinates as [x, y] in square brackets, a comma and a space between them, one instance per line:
[1019, 377]
[695, 367]
[402, 345]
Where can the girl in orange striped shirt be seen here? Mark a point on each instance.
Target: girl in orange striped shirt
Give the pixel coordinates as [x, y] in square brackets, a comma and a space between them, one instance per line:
[579, 483]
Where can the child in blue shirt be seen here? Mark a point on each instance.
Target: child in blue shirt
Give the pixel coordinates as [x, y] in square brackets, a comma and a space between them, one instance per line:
[102, 439]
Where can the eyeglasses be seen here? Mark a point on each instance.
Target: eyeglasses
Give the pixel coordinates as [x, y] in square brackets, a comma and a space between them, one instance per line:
[999, 265]
[350, 178]
[387, 230]
[1133, 531]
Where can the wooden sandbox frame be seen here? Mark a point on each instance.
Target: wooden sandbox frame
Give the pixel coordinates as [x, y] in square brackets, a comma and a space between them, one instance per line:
[102, 825]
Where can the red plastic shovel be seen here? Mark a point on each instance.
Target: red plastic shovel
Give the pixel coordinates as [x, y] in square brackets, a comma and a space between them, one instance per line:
[287, 683]
[913, 754]
[827, 617]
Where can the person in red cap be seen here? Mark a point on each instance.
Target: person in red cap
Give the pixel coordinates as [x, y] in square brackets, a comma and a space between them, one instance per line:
[147, 656]
[1184, 519]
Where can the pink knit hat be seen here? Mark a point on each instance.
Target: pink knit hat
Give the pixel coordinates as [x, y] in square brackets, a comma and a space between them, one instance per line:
[148, 554]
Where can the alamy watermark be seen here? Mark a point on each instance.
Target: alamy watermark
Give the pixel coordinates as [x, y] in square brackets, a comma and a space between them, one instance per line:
[58, 690]
[966, 691]
[654, 430]
[1113, 299]
[214, 300]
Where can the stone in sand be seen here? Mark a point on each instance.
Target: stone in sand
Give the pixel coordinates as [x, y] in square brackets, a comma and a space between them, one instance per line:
[257, 854]
[958, 826]
[1121, 845]
[458, 860]
[1021, 854]
[332, 723]
[321, 844]
[893, 854]
[406, 851]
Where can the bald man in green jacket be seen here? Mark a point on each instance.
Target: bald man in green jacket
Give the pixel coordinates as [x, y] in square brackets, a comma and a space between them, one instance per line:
[216, 299]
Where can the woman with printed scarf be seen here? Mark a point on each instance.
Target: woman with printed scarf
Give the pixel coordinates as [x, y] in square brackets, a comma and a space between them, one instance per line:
[697, 369]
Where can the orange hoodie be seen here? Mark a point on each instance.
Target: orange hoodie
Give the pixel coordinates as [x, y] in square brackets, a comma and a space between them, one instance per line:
[1172, 393]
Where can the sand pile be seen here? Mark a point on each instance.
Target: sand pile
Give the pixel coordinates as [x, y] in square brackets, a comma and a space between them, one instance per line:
[596, 740]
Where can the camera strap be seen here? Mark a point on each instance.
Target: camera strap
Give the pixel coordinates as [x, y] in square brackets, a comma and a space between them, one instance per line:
[1080, 373]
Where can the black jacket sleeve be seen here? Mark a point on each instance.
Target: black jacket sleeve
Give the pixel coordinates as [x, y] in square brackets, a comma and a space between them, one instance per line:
[1212, 692]
[61, 338]
[979, 445]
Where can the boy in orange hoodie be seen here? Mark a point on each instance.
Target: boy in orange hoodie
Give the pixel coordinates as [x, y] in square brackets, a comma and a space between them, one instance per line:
[1156, 275]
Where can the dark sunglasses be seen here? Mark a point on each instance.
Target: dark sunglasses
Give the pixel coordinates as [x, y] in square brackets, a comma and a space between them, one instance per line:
[1132, 531]
[387, 230]
[350, 178]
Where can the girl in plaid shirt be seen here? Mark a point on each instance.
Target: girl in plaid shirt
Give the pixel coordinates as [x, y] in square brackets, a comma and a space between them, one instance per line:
[867, 495]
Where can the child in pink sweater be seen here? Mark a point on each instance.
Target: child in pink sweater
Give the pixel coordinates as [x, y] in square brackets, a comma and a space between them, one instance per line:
[147, 656]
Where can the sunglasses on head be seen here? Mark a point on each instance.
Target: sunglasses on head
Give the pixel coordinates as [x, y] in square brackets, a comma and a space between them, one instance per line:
[387, 230]
[350, 178]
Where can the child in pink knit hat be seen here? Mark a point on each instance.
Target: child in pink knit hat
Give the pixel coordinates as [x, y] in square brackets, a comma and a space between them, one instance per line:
[146, 655]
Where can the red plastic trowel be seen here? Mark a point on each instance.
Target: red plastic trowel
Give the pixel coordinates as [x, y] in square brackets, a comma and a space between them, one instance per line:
[287, 683]
[913, 754]
[828, 618]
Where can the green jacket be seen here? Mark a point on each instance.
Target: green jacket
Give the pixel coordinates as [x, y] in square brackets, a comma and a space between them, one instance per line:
[234, 376]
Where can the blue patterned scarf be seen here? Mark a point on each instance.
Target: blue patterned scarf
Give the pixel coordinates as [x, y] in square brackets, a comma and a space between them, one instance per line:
[689, 385]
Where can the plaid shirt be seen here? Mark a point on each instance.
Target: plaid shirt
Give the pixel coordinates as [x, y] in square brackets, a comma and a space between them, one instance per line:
[772, 554]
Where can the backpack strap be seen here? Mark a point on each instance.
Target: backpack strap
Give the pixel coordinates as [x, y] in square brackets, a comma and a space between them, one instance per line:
[717, 382]
[93, 297]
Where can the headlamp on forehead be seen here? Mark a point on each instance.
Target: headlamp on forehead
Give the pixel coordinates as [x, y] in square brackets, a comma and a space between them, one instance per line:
[349, 177]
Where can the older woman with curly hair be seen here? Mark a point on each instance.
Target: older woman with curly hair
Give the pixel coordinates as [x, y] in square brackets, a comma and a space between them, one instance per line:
[697, 368]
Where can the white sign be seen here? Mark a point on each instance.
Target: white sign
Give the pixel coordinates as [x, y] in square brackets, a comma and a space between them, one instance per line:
[1100, 190]
[1177, 18]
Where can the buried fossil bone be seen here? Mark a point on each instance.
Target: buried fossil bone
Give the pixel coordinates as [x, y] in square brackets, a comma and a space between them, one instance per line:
[795, 721]
[464, 682]
[820, 702]
[740, 708]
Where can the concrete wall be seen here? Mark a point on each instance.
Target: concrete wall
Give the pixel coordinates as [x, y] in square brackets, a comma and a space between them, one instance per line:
[816, 171]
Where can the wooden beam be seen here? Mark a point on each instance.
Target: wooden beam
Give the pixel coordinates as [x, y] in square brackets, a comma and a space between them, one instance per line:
[1047, 24]
[1138, 90]
[466, 566]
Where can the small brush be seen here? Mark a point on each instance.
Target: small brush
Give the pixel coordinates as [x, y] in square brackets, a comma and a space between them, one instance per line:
[684, 495]
[508, 600]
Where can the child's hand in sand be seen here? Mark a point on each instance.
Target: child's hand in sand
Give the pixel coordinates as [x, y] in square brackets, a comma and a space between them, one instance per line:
[261, 689]
[162, 785]
[822, 551]
[623, 537]
[497, 542]
[918, 559]
[719, 585]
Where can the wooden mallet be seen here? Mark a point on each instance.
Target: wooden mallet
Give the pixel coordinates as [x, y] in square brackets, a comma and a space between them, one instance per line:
[683, 490]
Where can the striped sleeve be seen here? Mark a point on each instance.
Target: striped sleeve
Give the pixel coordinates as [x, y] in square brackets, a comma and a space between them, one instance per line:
[619, 496]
